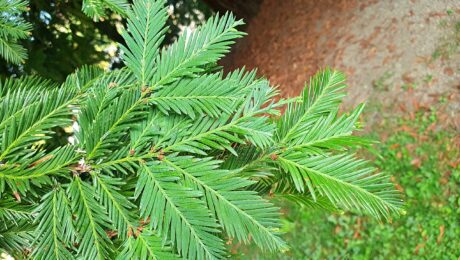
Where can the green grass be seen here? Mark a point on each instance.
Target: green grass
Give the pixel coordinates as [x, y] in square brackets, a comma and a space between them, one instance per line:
[450, 44]
[382, 83]
[422, 160]
[428, 79]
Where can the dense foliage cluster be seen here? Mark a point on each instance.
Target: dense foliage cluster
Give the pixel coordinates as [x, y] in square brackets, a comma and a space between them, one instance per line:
[169, 156]
[13, 28]
[69, 34]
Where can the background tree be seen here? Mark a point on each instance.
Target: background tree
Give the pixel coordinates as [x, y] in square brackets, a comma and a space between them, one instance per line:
[64, 38]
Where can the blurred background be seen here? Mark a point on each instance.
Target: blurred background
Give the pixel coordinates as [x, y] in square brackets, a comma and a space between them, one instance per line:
[401, 56]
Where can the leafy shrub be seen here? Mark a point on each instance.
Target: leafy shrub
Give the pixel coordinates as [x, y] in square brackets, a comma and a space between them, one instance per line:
[170, 157]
